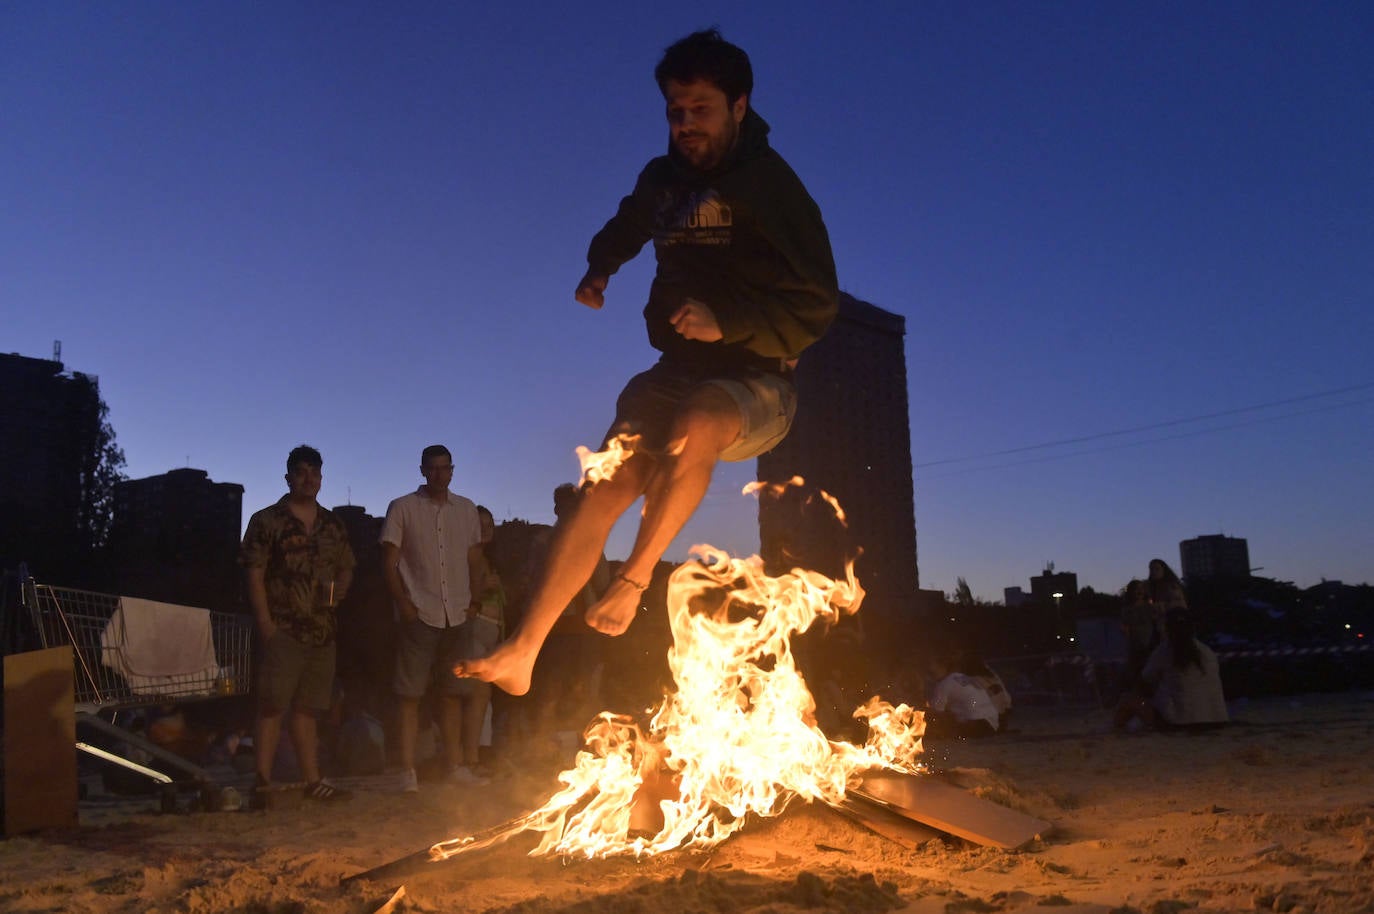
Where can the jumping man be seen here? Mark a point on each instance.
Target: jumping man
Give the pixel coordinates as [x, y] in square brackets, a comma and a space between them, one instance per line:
[745, 282]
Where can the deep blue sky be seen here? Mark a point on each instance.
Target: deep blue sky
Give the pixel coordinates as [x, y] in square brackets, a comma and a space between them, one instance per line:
[359, 226]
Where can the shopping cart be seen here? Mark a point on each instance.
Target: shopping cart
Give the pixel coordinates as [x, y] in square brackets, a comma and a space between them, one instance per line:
[97, 626]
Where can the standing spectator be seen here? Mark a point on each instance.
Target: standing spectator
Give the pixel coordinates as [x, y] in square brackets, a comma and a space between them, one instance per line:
[298, 566]
[431, 550]
[1166, 590]
[484, 630]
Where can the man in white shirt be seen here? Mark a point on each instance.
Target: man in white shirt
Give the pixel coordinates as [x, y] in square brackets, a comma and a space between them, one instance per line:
[431, 548]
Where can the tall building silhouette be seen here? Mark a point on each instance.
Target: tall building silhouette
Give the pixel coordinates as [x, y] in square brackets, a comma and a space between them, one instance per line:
[1049, 582]
[1203, 558]
[175, 538]
[851, 438]
[51, 422]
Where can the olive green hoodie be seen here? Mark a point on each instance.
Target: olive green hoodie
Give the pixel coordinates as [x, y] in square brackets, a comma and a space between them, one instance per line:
[746, 239]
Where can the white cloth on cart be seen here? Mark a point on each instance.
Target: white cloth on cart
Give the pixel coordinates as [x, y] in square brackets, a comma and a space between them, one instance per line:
[159, 647]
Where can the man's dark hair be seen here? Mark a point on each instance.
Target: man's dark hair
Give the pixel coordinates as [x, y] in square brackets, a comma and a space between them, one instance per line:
[435, 450]
[707, 56]
[306, 454]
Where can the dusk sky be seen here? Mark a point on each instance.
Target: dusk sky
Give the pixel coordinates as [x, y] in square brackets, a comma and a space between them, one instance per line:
[359, 226]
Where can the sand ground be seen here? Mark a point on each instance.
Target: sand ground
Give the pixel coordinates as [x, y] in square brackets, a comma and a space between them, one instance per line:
[1275, 813]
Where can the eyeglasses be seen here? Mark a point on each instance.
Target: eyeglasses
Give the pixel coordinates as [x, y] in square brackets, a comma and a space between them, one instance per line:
[446, 468]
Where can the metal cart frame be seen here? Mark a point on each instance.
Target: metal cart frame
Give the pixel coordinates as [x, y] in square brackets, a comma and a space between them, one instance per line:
[80, 618]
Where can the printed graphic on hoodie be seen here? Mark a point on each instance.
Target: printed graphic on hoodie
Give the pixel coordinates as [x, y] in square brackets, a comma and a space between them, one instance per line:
[692, 217]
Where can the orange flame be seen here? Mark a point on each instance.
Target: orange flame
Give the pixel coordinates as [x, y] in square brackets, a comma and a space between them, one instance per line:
[602, 464]
[776, 489]
[737, 735]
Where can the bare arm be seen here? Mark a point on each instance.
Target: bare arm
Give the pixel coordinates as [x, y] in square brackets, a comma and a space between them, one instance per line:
[342, 581]
[391, 570]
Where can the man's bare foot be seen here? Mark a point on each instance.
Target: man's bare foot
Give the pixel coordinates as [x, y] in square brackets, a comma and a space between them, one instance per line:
[507, 667]
[613, 613]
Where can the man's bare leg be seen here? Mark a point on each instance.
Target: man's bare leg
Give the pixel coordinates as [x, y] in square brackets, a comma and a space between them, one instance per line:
[305, 737]
[474, 716]
[576, 549]
[451, 728]
[708, 424]
[266, 736]
[408, 723]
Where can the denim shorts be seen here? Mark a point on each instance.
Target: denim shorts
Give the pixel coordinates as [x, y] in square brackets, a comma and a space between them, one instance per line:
[767, 404]
[426, 655]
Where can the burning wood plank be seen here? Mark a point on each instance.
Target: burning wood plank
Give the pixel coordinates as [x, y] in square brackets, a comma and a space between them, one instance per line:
[886, 823]
[735, 738]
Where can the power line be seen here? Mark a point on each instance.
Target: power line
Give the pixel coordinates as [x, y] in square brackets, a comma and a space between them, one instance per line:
[1145, 428]
[1117, 447]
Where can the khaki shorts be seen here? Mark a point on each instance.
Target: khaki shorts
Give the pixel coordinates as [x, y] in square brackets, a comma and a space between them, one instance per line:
[295, 675]
[649, 403]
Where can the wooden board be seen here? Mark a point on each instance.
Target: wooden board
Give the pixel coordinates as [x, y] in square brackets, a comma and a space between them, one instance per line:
[939, 804]
[886, 822]
[40, 741]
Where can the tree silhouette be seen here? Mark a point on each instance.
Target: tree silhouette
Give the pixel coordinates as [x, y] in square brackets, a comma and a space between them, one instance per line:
[102, 466]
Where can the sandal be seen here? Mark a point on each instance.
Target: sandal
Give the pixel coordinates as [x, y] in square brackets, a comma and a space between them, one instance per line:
[326, 792]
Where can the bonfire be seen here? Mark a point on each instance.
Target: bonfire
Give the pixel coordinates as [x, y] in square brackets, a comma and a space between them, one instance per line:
[735, 736]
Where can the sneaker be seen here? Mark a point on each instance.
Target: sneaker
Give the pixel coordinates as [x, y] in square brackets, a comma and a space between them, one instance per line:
[462, 774]
[409, 783]
[326, 792]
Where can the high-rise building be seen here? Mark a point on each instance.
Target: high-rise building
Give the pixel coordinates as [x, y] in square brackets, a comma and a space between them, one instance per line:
[852, 439]
[1054, 602]
[364, 533]
[52, 422]
[1203, 558]
[175, 538]
[1054, 588]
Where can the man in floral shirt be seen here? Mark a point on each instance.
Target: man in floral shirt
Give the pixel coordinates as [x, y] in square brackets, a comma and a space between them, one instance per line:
[298, 566]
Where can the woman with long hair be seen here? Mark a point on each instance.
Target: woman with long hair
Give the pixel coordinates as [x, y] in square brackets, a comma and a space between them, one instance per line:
[1166, 590]
[1180, 686]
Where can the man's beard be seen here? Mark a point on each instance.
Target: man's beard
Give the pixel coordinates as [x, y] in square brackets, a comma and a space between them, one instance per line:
[716, 148]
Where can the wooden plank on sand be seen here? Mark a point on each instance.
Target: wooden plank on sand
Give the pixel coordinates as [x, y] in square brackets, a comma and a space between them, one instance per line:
[888, 823]
[937, 803]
